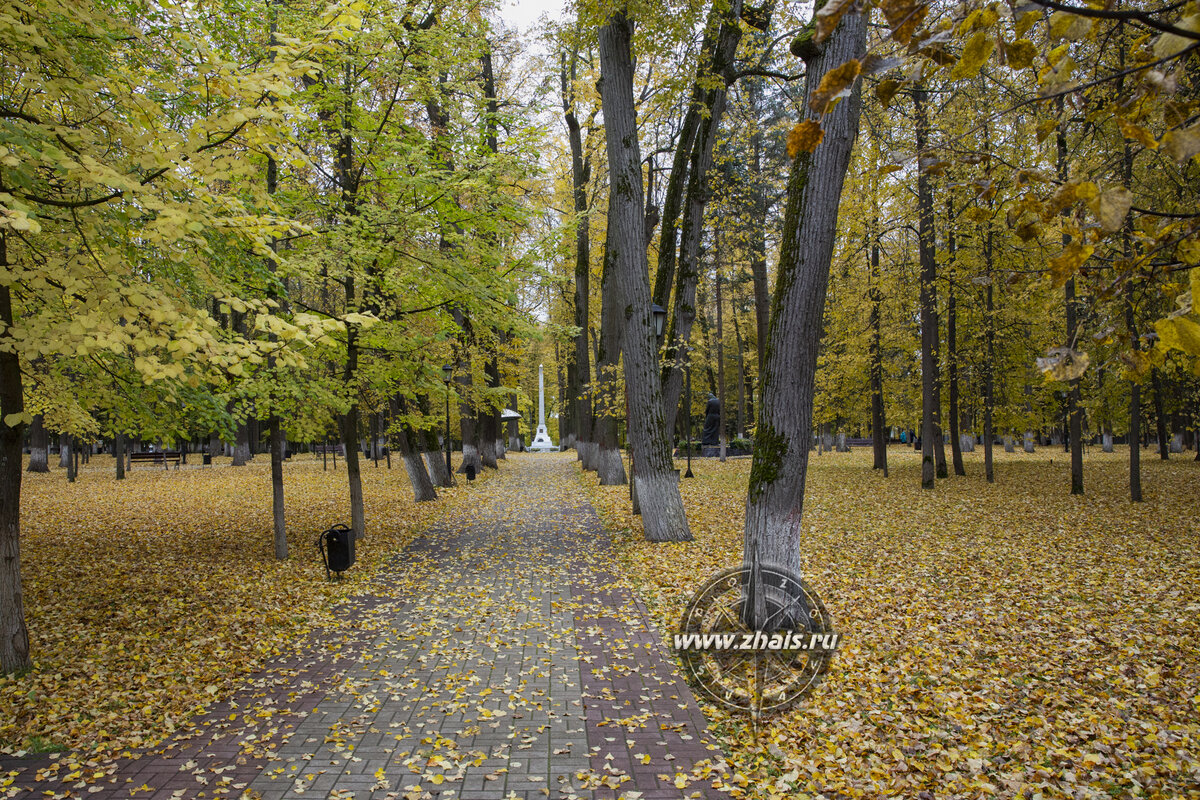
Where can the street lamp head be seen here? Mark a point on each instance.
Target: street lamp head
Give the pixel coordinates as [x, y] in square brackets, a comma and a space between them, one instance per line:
[447, 372]
[660, 318]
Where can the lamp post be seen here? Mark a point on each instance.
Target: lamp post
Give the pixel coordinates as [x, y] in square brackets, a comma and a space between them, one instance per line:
[660, 319]
[447, 374]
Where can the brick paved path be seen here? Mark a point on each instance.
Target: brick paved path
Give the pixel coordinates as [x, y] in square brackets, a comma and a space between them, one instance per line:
[508, 663]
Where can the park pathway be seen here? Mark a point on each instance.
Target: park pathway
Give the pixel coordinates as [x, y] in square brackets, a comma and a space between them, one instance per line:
[504, 660]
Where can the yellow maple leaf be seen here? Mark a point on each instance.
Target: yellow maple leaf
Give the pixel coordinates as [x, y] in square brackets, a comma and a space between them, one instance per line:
[804, 137]
[975, 54]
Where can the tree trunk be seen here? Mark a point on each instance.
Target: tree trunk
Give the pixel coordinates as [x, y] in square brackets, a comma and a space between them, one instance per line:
[277, 505]
[1135, 389]
[468, 428]
[408, 443]
[664, 276]
[486, 425]
[64, 451]
[775, 501]
[741, 377]
[14, 637]
[878, 421]
[119, 454]
[39, 445]
[1160, 421]
[435, 460]
[418, 476]
[656, 481]
[931, 410]
[758, 236]
[606, 457]
[691, 232]
[241, 447]
[581, 367]
[989, 366]
[956, 444]
[349, 423]
[722, 437]
[1074, 408]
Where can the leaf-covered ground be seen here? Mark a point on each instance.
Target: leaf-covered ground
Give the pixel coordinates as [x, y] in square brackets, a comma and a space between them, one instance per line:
[148, 598]
[1007, 640]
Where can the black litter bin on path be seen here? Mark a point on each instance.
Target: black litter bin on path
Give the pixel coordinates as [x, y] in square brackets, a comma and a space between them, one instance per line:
[337, 549]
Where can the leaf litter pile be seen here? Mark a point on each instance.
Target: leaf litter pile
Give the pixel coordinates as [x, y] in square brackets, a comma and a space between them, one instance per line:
[149, 598]
[1006, 640]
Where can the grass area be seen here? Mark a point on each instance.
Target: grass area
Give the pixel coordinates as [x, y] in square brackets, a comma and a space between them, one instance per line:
[149, 598]
[1001, 639]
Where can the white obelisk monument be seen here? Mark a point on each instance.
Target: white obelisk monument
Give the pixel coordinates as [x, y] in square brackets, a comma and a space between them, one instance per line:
[541, 441]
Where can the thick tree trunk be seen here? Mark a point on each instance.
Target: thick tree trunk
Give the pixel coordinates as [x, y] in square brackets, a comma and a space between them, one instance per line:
[241, 447]
[435, 459]
[489, 418]
[602, 453]
[469, 432]
[64, 450]
[656, 481]
[14, 637]
[39, 445]
[775, 501]
[931, 410]
[418, 476]
[409, 445]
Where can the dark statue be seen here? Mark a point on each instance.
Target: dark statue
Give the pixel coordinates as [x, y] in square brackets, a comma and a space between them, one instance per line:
[712, 422]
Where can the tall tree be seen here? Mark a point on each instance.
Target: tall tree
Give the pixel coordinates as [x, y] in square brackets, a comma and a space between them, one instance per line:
[821, 155]
[654, 477]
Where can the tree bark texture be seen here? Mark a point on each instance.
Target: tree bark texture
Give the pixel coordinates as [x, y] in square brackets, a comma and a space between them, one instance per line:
[657, 483]
[581, 372]
[878, 420]
[407, 443]
[931, 407]
[692, 229]
[775, 501]
[277, 505]
[956, 443]
[14, 637]
[39, 445]
[1074, 407]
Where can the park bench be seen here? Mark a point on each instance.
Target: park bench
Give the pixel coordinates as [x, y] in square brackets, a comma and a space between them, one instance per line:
[162, 457]
[336, 449]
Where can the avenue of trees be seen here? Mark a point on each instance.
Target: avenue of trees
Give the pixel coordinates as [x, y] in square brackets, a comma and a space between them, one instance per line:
[271, 222]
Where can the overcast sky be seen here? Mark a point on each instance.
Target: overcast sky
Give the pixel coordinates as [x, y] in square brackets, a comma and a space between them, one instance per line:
[525, 13]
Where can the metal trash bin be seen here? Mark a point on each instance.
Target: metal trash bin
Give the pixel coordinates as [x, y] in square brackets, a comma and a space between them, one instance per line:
[337, 549]
[470, 470]
[208, 459]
